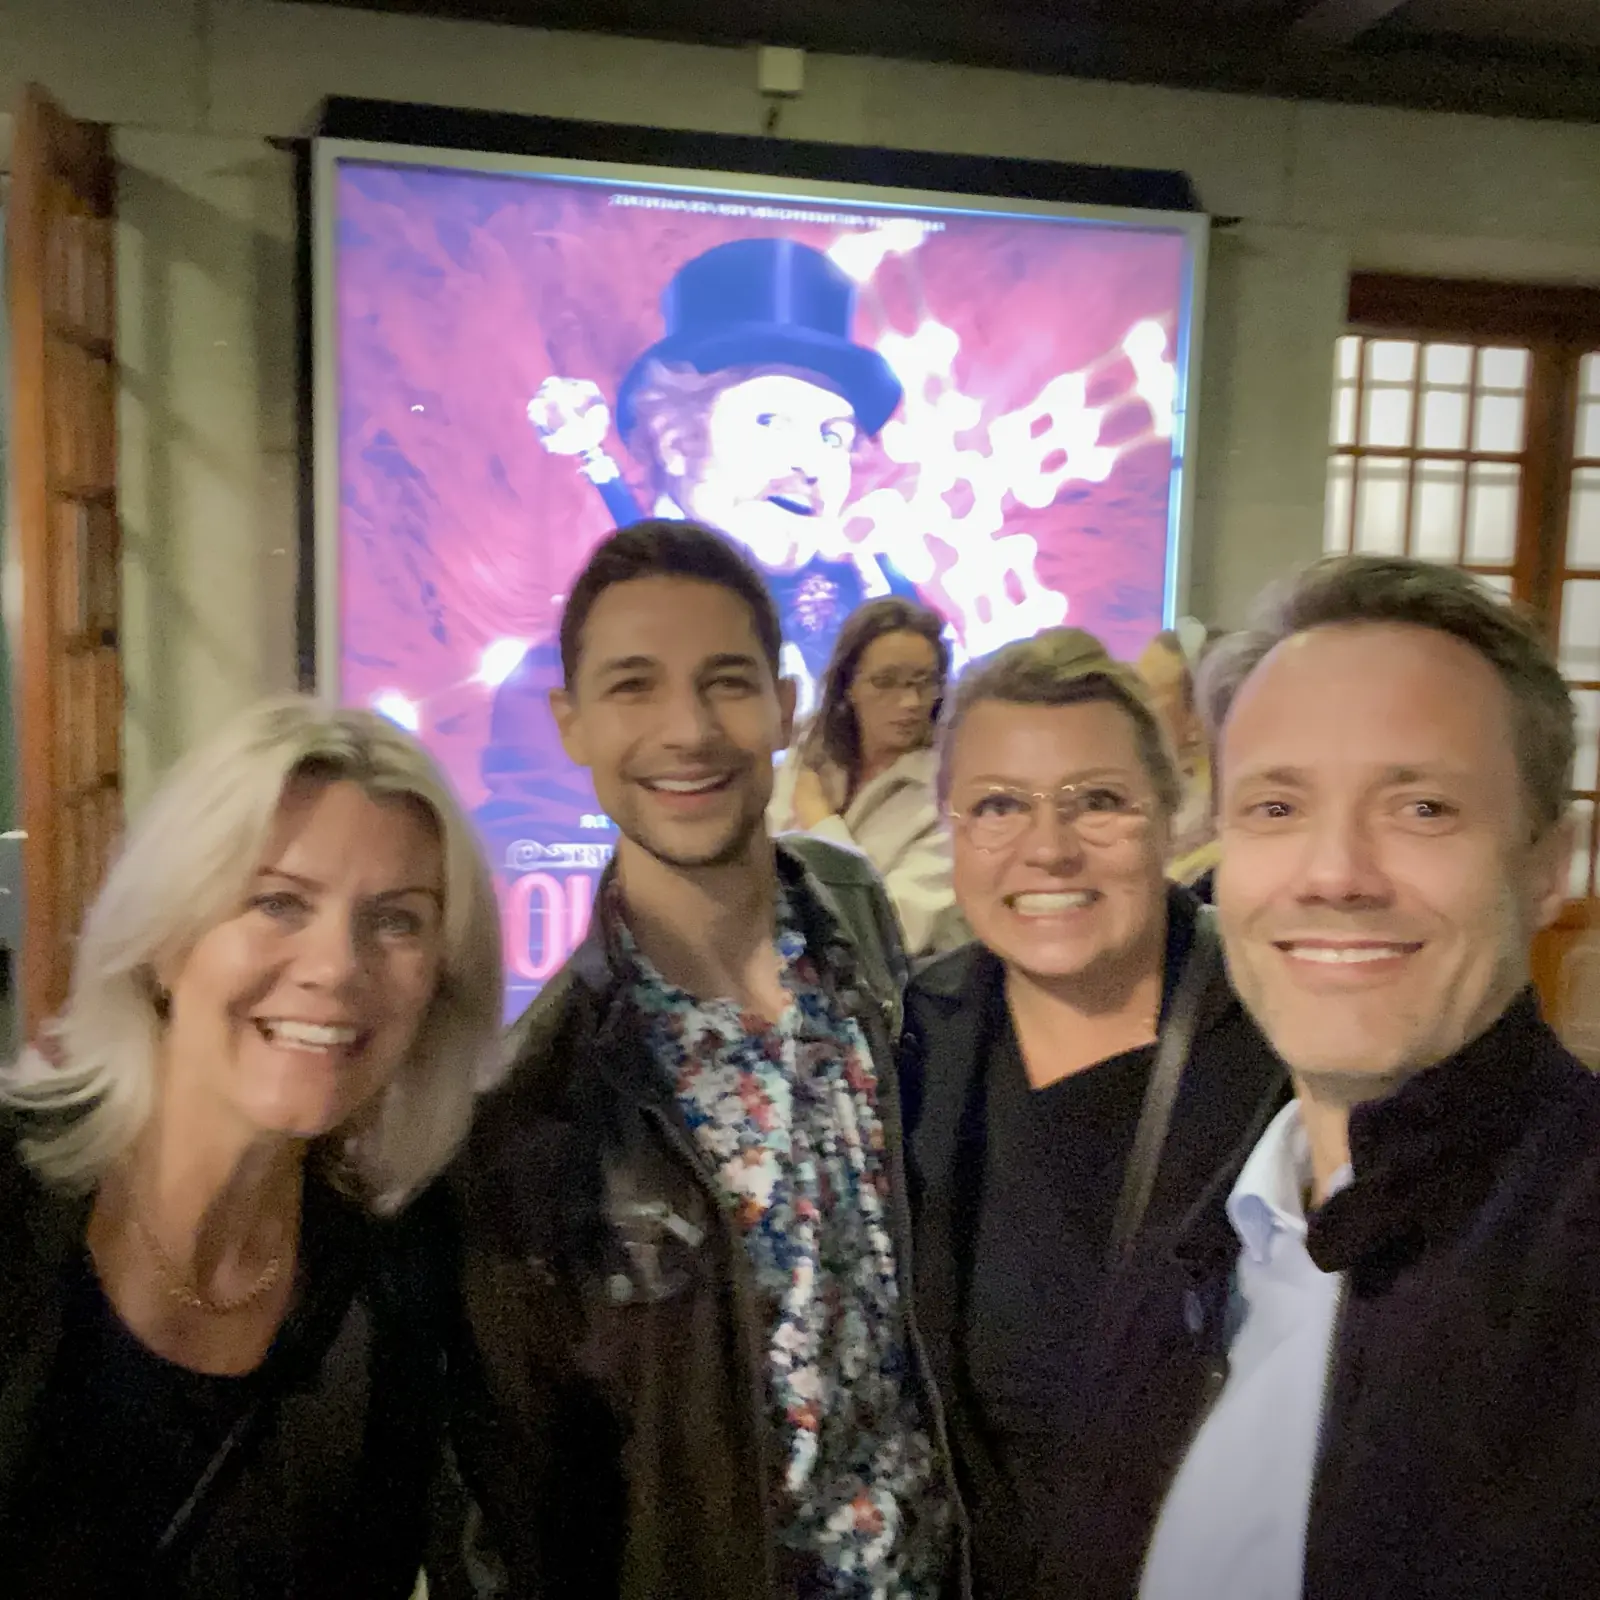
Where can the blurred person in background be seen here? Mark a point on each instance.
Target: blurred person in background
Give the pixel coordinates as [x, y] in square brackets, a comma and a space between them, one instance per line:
[1073, 1079]
[227, 1275]
[1167, 666]
[862, 773]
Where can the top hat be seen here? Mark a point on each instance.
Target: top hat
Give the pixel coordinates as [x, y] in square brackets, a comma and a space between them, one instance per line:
[767, 302]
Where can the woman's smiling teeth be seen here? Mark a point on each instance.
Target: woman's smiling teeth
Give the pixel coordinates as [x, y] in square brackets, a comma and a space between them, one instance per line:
[306, 1035]
[1038, 904]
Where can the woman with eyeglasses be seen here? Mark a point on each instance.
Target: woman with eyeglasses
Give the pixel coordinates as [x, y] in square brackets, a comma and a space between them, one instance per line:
[862, 773]
[1072, 1079]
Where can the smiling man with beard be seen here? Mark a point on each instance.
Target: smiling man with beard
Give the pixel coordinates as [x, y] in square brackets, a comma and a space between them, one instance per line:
[685, 1203]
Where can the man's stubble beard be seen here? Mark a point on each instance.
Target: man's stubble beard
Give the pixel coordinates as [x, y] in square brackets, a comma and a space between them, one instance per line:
[733, 849]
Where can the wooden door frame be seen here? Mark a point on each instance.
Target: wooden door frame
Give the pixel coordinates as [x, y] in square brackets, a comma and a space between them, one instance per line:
[48, 147]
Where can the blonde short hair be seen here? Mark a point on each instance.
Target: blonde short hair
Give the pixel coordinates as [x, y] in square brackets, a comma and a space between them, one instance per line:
[1063, 667]
[186, 864]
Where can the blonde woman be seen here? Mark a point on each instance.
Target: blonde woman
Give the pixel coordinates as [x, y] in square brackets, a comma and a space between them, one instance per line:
[226, 1273]
[1071, 1080]
[1167, 665]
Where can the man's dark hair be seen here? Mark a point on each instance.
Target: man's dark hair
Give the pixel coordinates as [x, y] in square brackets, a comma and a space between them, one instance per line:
[661, 548]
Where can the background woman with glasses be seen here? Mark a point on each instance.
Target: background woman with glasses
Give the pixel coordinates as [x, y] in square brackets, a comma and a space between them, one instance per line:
[1071, 1080]
[863, 771]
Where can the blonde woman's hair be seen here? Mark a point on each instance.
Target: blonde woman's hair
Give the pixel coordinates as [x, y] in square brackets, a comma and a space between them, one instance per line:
[1062, 667]
[186, 864]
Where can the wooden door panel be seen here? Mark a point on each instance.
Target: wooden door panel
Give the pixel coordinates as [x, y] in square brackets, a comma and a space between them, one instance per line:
[1566, 970]
[61, 261]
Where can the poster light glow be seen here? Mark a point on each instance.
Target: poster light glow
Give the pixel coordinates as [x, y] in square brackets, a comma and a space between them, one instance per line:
[975, 405]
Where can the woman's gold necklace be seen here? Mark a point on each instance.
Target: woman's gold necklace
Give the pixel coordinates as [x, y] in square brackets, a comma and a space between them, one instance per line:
[177, 1285]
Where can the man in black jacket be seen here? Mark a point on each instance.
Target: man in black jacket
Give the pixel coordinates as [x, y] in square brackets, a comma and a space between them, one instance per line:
[1375, 1369]
[686, 1225]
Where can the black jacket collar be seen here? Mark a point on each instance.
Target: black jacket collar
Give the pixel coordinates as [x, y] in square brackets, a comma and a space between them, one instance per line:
[1426, 1156]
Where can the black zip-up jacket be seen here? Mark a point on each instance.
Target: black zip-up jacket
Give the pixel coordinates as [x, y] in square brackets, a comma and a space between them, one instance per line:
[1232, 1084]
[1460, 1439]
[323, 1488]
[619, 1445]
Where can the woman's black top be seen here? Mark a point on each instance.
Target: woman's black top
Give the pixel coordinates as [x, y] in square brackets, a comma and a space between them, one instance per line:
[1014, 1193]
[122, 1474]
[123, 1437]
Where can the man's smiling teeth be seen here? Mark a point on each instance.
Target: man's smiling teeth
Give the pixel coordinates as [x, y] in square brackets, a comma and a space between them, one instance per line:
[686, 785]
[307, 1035]
[1335, 955]
[1050, 905]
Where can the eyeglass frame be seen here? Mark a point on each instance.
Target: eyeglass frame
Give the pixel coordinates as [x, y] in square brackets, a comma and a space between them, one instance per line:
[1057, 798]
[929, 688]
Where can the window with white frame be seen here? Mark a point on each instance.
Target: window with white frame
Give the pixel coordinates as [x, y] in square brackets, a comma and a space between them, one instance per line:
[1466, 430]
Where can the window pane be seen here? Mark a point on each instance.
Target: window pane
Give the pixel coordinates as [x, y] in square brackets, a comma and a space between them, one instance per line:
[1580, 628]
[1391, 361]
[1497, 583]
[1498, 425]
[1582, 816]
[1583, 521]
[1492, 513]
[1503, 369]
[1591, 376]
[1449, 363]
[1349, 357]
[1436, 511]
[1336, 528]
[1444, 420]
[1388, 418]
[1588, 440]
[1344, 415]
[1381, 508]
[1586, 772]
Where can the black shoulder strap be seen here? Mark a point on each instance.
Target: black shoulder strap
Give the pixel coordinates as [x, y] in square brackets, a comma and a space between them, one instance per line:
[1176, 1040]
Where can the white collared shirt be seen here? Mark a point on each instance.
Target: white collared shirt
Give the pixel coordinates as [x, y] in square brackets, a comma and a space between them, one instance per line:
[1234, 1523]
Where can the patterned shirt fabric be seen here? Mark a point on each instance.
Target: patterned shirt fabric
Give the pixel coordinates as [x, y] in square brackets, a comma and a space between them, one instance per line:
[786, 1115]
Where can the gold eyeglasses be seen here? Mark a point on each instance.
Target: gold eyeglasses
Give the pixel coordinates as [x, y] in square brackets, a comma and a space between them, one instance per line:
[1099, 813]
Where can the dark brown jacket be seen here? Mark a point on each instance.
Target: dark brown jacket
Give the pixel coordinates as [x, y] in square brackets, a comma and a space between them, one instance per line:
[619, 1445]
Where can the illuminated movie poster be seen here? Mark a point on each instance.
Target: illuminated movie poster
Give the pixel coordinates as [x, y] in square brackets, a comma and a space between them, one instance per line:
[973, 408]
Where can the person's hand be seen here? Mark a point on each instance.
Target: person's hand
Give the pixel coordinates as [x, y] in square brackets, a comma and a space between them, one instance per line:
[811, 804]
[48, 1043]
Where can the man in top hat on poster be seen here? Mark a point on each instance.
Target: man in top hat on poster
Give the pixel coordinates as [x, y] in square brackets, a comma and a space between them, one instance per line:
[745, 414]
